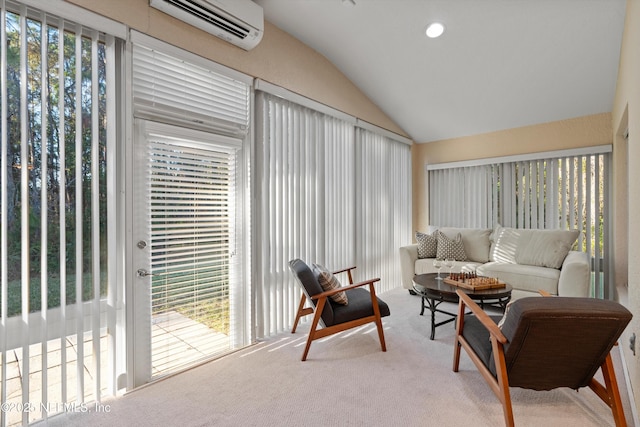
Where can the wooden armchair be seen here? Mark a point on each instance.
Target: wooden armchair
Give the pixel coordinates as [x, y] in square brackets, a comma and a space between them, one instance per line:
[544, 343]
[363, 307]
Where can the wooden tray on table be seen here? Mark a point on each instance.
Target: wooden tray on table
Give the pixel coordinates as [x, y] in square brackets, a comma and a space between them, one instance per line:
[476, 283]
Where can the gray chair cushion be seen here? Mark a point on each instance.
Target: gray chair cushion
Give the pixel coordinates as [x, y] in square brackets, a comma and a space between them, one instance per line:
[478, 337]
[359, 306]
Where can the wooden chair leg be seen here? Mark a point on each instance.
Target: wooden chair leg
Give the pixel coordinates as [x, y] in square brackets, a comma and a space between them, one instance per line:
[383, 345]
[376, 312]
[299, 313]
[456, 344]
[314, 325]
[503, 383]
[609, 393]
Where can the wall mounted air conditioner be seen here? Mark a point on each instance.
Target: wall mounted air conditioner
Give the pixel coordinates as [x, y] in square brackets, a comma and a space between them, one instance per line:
[240, 22]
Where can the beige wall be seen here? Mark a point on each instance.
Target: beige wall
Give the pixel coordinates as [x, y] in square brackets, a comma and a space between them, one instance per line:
[573, 133]
[626, 112]
[279, 58]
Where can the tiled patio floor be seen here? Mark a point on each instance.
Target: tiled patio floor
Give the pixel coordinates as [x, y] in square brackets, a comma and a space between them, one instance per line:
[177, 342]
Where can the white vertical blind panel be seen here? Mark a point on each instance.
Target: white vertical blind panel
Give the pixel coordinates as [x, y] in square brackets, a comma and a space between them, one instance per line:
[579, 210]
[572, 194]
[588, 219]
[44, 242]
[63, 227]
[597, 227]
[115, 287]
[24, 210]
[186, 94]
[339, 189]
[4, 222]
[79, 217]
[95, 221]
[534, 188]
[552, 213]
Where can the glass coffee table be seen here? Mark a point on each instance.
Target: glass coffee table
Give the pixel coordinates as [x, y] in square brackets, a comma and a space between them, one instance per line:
[434, 292]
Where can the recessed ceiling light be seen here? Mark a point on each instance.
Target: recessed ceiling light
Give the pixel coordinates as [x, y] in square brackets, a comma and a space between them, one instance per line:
[435, 30]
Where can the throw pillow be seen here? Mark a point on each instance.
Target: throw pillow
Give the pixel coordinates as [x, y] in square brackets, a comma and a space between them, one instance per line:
[475, 240]
[504, 241]
[330, 282]
[427, 245]
[545, 248]
[450, 248]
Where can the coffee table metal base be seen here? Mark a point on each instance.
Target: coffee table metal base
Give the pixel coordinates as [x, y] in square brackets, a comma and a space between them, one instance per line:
[432, 304]
[434, 293]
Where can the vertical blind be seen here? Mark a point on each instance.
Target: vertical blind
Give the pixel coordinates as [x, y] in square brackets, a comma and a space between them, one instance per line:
[383, 205]
[303, 159]
[57, 87]
[327, 194]
[568, 192]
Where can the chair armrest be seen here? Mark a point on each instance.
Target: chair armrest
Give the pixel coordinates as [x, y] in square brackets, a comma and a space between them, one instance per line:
[348, 270]
[575, 275]
[344, 288]
[483, 317]
[408, 258]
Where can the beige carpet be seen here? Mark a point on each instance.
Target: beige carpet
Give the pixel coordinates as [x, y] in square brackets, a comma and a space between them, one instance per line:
[347, 381]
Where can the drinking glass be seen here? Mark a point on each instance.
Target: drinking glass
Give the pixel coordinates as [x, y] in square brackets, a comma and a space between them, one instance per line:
[437, 264]
[449, 263]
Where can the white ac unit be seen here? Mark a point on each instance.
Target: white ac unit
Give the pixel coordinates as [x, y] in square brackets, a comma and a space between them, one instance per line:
[240, 22]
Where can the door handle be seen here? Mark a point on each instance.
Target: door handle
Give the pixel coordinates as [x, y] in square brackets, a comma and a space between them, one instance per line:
[144, 273]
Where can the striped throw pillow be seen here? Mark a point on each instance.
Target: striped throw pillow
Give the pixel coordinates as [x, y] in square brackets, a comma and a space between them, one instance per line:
[329, 282]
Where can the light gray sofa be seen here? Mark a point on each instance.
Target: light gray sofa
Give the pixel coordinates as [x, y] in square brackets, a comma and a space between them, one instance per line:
[529, 260]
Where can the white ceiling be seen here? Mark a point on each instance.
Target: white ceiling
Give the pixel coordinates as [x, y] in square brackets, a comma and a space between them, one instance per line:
[500, 63]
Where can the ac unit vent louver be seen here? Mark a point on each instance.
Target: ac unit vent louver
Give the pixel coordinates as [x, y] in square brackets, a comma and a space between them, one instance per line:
[240, 22]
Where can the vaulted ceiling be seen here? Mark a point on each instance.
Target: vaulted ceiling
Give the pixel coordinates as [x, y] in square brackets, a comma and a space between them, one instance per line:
[500, 63]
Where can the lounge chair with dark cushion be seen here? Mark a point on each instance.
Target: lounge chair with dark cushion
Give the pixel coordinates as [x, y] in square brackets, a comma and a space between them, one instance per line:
[544, 343]
[363, 306]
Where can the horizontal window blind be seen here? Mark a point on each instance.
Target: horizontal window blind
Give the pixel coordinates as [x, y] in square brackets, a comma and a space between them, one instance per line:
[192, 209]
[186, 94]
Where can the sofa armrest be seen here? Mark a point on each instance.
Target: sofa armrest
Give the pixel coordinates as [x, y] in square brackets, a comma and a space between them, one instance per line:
[408, 257]
[575, 275]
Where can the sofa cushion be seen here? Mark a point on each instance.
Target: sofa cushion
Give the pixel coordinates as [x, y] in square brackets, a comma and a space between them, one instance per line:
[427, 245]
[504, 242]
[476, 241]
[330, 282]
[542, 248]
[525, 277]
[545, 248]
[450, 247]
